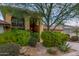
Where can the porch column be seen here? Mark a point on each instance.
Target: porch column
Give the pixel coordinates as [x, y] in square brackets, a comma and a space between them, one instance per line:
[8, 18]
[27, 22]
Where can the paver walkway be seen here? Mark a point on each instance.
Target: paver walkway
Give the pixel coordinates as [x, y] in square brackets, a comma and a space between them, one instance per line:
[74, 46]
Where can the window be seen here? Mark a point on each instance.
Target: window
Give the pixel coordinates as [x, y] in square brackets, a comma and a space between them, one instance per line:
[18, 23]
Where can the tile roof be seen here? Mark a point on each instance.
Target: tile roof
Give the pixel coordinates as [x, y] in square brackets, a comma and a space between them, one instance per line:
[2, 22]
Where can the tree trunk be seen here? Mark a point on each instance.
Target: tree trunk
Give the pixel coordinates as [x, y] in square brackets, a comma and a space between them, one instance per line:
[48, 28]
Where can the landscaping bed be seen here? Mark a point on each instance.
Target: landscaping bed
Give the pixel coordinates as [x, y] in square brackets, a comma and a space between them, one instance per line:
[53, 44]
[40, 50]
[17, 50]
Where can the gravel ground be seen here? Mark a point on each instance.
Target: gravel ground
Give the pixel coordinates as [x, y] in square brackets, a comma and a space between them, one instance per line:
[38, 51]
[41, 51]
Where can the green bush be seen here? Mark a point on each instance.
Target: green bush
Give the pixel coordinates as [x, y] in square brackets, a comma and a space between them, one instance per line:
[54, 39]
[64, 47]
[60, 38]
[34, 37]
[6, 37]
[47, 39]
[22, 37]
[16, 36]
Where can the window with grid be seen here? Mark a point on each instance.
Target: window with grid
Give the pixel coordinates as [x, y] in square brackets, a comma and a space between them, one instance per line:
[17, 23]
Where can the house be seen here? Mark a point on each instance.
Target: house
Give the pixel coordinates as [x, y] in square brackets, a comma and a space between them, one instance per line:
[3, 26]
[27, 20]
[68, 29]
[21, 19]
[59, 28]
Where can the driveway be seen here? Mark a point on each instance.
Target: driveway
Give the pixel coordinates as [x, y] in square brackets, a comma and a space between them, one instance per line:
[74, 46]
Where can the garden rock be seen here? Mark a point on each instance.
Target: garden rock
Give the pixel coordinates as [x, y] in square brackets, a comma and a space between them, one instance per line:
[9, 49]
[34, 51]
[54, 51]
[74, 38]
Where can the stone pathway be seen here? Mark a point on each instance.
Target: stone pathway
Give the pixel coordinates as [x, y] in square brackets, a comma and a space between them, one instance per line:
[74, 46]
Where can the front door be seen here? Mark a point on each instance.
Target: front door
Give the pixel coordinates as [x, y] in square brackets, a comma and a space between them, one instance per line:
[34, 26]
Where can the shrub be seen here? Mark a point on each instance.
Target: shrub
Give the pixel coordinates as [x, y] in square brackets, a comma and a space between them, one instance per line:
[60, 38]
[64, 47]
[74, 38]
[68, 36]
[54, 39]
[17, 36]
[6, 37]
[34, 37]
[22, 37]
[47, 39]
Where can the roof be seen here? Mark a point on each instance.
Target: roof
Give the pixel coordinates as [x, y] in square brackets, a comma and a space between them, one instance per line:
[20, 12]
[2, 22]
[69, 26]
[59, 27]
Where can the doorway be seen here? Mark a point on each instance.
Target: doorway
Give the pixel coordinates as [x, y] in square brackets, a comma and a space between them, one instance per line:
[34, 25]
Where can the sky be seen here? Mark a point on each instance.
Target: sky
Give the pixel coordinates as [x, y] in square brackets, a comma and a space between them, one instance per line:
[73, 22]
[1, 17]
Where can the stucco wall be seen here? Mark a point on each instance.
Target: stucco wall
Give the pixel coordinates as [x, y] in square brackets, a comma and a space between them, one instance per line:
[8, 18]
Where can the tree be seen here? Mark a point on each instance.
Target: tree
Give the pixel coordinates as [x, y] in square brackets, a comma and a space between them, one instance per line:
[52, 13]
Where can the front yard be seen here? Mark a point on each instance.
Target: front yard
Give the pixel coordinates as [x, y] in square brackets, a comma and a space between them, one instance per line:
[22, 42]
[40, 50]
